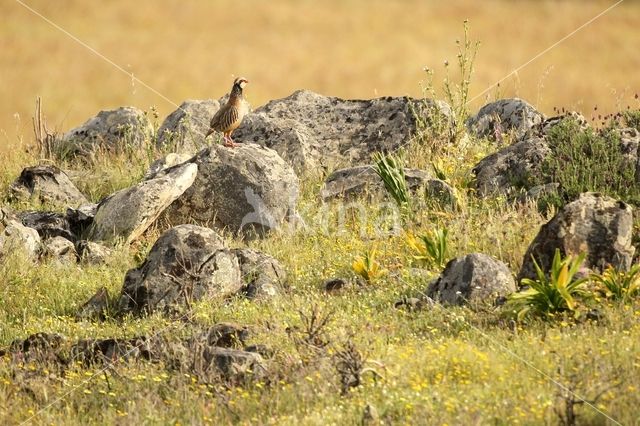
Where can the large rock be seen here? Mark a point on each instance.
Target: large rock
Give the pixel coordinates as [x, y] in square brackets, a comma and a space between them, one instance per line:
[311, 131]
[60, 249]
[129, 212]
[509, 169]
[359, 180]
[594, 224]
[15, 237]
[185, 128]
[189, 263]
[47, 184]
[503, 116]
[112, 129]
[248, 189]
[49, 224]
[472, 278]
[168, 161]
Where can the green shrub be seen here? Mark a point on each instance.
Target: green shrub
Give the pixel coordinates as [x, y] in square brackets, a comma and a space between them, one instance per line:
[555, 293]
[585, 160]
[390, 170]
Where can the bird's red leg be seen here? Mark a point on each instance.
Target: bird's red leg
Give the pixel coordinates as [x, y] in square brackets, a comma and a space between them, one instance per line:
[228, 141]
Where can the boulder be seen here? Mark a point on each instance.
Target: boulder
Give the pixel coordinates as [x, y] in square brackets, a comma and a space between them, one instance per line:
[47, 184]
[80, 219]
[112, 129]
[312, 132]
[162, 164]
[594, 224]
[472, 278]
[442, 193]
[503, 116]
[95, 307]
[247, 190]
[15, 237]
[129, 212]
[510, 168]
[48, 224]
[262, 275]
[189, 263]
[61, 249]
[185, 128]
[360, 180]
[92, 252]
[542, 129]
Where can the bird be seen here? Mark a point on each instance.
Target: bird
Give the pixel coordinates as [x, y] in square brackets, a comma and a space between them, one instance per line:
[229, 117]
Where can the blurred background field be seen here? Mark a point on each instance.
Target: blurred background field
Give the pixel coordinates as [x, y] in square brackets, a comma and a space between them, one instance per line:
[345, 48]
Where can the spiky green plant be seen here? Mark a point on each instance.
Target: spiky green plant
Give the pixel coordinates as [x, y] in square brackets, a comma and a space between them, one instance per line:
[430, 248]
[367, 267]
[556, 292]
[389, 168]
[619, 285]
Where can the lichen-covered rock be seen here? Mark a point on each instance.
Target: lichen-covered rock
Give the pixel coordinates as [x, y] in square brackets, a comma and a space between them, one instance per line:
[360, 180]
[129, 212]
[47, 184]
[503, 116]
[262, 275]
[472, 278]
[15, 237]
[112, 129]
[48, 224]
[312, 132]
[61, 249]
[189, 263]
[510, 168]
[92, 252]
[162, 164]
[594, 224]
[248, 190]
[185, 128]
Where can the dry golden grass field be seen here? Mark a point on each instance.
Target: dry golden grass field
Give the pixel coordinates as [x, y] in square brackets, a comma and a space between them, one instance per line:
[346, 48]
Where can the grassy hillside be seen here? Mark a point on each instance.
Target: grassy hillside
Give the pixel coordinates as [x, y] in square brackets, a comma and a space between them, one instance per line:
[418, 365]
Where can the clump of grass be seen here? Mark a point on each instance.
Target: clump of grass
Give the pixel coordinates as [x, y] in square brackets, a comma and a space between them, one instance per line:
[584, 160]
[619, 285]
[430, 249]
[555, 292]
[389, 168]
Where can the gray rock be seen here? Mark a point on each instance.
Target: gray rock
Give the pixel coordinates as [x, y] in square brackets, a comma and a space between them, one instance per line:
[360, 180]
[92, 253]
[234, 365]
[263, 276]
[312, 132]
[15, 237]
[80, 219]
[48, 224]
[472, 278]
[95, 307]
[170, 160]
[503, 116]
[60, 249]
[190, 263]
[542, 129]
[47, 184]
[185, 128]
[510, 168]
[443, 193]
[129, 212]
[248, 190]
[595, 224]
[224, 335]
[112, 129]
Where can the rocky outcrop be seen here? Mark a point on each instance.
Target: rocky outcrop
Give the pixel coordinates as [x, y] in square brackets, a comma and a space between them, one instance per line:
[129, 212]
[185, 128]
[189, 263]
[503, 116]
[162, 164]
[247, 190]
[314, 132]
[46, 184]
[472, 278]
[111, 130]
[594, 224]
